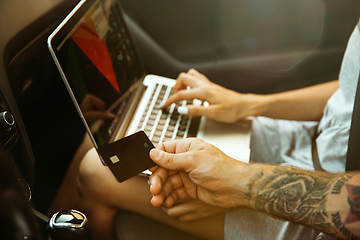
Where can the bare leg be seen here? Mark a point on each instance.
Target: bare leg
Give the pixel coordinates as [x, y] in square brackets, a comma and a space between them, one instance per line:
[101, 195]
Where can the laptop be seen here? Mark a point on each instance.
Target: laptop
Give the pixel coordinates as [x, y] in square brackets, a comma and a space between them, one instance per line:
[104, 75]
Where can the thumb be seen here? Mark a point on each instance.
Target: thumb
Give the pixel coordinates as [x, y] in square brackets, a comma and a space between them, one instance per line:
[166, 160]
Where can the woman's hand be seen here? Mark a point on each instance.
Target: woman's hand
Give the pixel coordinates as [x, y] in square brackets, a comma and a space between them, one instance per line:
[192, 209]
[224, 105]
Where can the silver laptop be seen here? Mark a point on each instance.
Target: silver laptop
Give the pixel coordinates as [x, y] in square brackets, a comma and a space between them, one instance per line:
[114, 96]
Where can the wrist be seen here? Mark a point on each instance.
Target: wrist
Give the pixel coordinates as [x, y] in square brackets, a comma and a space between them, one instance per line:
[254, 177]
[265, 105]
[253, 105]
[242, 184]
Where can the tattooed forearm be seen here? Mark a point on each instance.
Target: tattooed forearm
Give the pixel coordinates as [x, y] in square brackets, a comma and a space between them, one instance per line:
[300, 197]
[296, 197]
[339, 184]
[255, 178]
[336, 219]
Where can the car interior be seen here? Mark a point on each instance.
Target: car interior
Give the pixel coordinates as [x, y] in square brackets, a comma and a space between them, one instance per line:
[248, 46]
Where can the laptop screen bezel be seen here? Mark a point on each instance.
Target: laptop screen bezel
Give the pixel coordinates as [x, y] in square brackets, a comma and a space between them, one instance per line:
[61, 33]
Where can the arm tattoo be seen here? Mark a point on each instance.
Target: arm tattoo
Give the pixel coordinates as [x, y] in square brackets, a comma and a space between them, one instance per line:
[339, 184]
[300, 197]
[255, 178]
[354, 214]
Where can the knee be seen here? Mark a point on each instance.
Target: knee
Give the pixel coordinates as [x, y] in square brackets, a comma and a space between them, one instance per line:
[90, 175]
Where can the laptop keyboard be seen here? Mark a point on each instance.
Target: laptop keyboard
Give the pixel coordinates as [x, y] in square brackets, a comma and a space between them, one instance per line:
[166, 124]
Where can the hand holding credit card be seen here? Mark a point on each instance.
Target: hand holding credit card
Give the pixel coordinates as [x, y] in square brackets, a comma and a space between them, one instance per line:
[128, 156]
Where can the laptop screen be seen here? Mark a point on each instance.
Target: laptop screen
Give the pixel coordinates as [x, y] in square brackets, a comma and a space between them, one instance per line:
[100, 64]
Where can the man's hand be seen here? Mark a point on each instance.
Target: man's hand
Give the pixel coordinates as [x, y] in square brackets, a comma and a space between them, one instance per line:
[224, 105]
[195, 169]
[327, 202]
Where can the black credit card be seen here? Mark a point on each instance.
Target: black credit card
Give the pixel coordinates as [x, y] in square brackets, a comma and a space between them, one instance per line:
[128, 156]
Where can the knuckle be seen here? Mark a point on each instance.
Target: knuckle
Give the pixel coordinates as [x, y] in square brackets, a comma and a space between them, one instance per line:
[181, 75]
[210, 89]
[173, 198]
[162, 176]
[168, 159]
[180, 94]
[191, 157]
[173, 181]
[182, 193]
